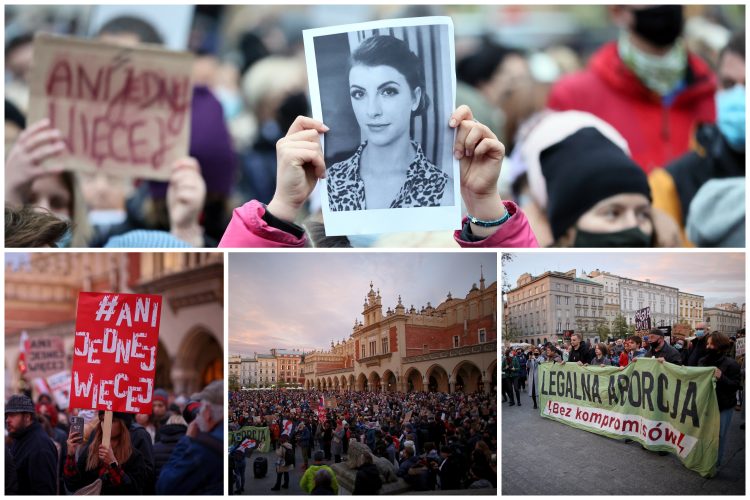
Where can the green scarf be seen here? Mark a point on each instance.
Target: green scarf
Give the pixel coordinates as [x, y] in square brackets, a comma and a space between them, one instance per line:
[662, 74]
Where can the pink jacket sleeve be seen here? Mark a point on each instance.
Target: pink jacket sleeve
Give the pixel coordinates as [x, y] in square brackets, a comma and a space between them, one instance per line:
[514, 233]
[247, 229]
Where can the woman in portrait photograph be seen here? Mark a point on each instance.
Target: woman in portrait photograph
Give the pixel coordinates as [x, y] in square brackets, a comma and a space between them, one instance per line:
[388, 169]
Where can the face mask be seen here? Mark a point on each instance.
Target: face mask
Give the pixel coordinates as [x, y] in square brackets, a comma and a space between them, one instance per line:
[699, 333]
[628, 238]
[730, 116]
[231, 102]
[678, 347]
[660, 25]
[712, 354]
[662, 74]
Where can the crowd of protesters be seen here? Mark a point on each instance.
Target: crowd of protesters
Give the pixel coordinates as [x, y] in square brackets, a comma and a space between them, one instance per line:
[715, 349]
[449, 442]
[645, 132]
[177, 449]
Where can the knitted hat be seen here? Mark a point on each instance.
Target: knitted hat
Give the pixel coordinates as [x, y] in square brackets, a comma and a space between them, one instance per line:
[145, 238]
[160, 395]
[582, 170]
[716, 217]
[19, 403]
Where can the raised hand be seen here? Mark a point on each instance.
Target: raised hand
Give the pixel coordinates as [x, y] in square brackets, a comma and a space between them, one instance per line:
[299, 165]
[33, 147]
[186, 196]
[481, 155]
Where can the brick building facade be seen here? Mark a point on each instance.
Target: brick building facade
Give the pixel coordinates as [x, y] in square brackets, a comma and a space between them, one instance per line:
[447, 348]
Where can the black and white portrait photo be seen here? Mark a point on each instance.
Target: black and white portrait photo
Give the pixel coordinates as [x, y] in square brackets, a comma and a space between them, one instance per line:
[386, 89]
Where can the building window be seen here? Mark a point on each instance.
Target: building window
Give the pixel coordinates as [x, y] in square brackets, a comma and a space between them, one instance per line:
[384, 340]
[456, 341]
[373, 347]
[363, 351]
[483, 335]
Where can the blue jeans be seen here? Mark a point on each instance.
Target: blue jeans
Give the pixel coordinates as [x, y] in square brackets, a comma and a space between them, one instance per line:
[725, 417]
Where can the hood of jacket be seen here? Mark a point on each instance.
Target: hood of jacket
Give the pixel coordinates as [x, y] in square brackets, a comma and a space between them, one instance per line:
[607, 65]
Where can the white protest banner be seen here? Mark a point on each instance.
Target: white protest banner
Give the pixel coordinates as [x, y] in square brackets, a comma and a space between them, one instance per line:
[122, 110]
[46, 355]
[59, 384]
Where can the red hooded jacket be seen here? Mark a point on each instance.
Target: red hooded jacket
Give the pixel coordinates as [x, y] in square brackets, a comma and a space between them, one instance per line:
[656, 133]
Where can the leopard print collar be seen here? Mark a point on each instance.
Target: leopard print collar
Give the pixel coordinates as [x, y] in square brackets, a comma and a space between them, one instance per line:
[424, 187]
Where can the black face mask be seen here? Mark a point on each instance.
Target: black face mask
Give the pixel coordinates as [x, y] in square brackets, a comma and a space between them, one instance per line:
[628, 238]
[660, 25]
[712, 355]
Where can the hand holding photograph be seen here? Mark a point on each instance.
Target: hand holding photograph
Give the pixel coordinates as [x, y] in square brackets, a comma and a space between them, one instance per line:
[386, 89]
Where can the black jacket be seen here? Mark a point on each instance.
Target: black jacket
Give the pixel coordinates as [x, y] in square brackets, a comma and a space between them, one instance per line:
[584, 354]
[669, 353]
[711, 158]
[168, 437]
[141, 440]
[132, 482]
[452, 473]
[698, 350]
[35, 456]
[11, 479]
[728, 383]
[368, 480]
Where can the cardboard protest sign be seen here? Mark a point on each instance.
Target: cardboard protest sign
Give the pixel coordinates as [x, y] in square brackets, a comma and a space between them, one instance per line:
[114, 356]
[331, 403]
[664, 407]
[121, 110]
[739, 347]
[59, 384]
[46, 356]
[407, 417]
[261, 436]
[643, 319]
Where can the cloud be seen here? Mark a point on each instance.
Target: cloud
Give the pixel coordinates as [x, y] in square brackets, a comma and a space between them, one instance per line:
[291, 300]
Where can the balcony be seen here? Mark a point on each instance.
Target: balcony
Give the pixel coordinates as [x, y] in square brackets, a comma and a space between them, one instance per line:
[374, 360]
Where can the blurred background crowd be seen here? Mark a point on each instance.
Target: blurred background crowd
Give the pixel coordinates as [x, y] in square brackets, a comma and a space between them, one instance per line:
[623, 101]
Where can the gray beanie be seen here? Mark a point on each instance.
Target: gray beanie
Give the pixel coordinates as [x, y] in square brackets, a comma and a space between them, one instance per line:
[717, 214]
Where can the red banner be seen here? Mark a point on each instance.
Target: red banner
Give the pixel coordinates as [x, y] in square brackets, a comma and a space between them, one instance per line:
[114, 356]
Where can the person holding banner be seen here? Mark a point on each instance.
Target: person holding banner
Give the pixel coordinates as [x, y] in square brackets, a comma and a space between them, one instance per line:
[120, 467]
[579, 350]
[601, 355]
[660, 349]
[728, 380]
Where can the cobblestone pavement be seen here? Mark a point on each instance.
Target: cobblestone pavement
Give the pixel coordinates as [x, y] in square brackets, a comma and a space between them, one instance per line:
[263, 485]
[544, 457]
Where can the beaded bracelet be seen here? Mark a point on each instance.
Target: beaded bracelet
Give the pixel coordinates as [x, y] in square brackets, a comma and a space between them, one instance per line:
[489, 223]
